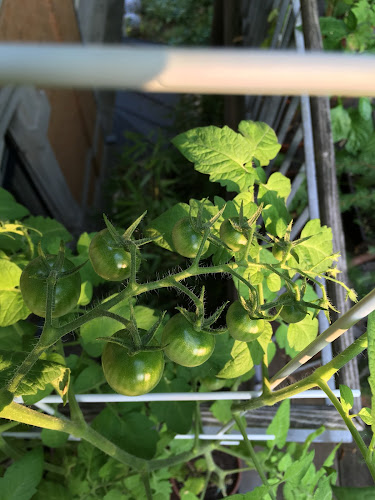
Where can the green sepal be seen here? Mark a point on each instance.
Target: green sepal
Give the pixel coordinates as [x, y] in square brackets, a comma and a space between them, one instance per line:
[146, 339]
[112, 230]
[215, 316]
[129, 232]
[129, 346]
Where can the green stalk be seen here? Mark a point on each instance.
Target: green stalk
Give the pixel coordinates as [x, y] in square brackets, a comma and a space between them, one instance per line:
[323, 373]
[349, 423]
[206, 483]
[201, 247]
[146, 483]
[25, 415]
[253, 455]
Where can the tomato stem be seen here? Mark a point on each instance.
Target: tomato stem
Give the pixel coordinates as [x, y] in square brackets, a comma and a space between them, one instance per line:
[349, 423]
[253, 455]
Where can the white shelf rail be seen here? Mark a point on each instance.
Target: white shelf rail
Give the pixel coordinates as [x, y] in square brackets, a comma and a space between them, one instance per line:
[203, 70]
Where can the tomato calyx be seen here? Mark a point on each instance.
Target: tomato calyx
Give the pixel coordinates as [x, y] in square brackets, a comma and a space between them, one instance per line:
[55, 271]
[199, 321]
[126, 240]
[132, 338]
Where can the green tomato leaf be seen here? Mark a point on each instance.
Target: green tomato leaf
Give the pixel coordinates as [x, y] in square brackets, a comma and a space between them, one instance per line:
[178, 415]
[365, 108]
[9, 208]
[41, 374]
[222, 410]
[88, 379]
[135, 433]
[23, 476]
[52, 233]
[346, 398]
[281, 336]
[54, 439]
[280, 425]
[348, 493]
[12, 306]
[301, 334]
[360, 132]
[296, 472]
[273, 282]
[240, 363]
[366, 416]
[52, 491]
[274, 194]
[315, 254]
[341, 123]
[221, 153]
[263, 140]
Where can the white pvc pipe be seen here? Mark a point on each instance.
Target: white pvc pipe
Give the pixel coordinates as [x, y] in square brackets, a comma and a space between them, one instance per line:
[359, 311]
[187, 70]
[229, 438]
[180, 396]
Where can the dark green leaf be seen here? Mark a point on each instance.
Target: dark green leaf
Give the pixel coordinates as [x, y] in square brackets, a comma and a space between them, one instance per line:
[9, 208]
[135, 433]
[54, 439]
[347, 493]
[22, 477]
[178, 415]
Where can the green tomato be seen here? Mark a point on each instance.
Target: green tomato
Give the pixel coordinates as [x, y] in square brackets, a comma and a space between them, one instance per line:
[187, 241]
[184, 345]
[212, 383]
[109, 261]
[33, 287]
[240, 326]
[291, 314]
[231, 237]
[131, 375]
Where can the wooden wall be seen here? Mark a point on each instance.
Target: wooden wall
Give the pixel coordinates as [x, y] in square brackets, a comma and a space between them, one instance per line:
[73, 113]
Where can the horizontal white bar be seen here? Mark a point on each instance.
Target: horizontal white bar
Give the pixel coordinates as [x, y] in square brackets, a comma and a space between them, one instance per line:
[294, 435]
[194, 70]
[182, 396]
[228, 437]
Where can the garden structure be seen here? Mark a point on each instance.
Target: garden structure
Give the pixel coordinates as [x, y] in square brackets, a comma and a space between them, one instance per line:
[164, 70]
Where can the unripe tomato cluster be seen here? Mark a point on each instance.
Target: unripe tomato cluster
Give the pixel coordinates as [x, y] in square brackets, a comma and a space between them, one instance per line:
[137, 372]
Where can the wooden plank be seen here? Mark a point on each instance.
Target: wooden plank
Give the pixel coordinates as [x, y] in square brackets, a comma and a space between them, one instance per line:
[328, 191]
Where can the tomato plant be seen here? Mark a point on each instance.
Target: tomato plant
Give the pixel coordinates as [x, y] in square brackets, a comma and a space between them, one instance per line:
[241, 326]
[235, 240]
[291, 313]
[34, 287]
[109, 260]
[131, 375]
[186, 240]
[139, 435]
[184, 345]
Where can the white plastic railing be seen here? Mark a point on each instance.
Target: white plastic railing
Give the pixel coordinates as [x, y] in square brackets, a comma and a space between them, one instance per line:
[203, 70]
